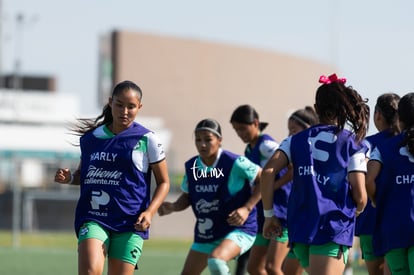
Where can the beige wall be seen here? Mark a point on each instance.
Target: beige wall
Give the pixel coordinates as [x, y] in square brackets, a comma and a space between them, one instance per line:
[185, 80]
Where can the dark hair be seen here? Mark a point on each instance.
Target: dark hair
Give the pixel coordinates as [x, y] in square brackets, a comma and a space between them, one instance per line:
[246, 114]
[305, 117]
[406, 116]
[387, 106]
[88, 124]
[343, 104]
[209, 124]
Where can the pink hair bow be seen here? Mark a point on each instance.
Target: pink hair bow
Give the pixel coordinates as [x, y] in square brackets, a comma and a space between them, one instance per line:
[330, 79]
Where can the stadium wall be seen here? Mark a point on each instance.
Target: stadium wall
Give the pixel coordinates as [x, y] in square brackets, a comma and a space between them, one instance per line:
[186, 80]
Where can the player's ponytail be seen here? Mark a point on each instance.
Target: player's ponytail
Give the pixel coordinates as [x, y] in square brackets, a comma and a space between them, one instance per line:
[406, 116]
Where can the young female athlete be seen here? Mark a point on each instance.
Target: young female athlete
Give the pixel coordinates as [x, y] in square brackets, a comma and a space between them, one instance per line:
[386, 121]
[302, 119]
[115, 210]
[264, 254]
[267, 256]
[390, 186]
[218, 186]
[298, 121]
[328, 188]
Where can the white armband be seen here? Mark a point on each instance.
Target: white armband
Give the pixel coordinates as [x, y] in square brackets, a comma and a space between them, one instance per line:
[268, 213]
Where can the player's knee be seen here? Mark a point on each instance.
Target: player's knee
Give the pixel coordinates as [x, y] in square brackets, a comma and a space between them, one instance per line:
[217, 266]
[272, 268]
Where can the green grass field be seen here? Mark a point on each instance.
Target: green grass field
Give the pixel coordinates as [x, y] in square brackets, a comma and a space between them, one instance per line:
[54, 253]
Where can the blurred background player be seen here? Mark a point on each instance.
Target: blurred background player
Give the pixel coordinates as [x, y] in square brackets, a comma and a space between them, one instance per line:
[390, 186]
[385, 118]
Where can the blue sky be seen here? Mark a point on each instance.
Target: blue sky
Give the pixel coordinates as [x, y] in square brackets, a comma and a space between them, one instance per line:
[370, 42]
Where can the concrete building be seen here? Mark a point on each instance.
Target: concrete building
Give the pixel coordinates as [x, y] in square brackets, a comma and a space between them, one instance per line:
[186, 80]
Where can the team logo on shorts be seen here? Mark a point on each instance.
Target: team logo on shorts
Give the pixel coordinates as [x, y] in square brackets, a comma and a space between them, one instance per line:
[83, 231]
[134, 253]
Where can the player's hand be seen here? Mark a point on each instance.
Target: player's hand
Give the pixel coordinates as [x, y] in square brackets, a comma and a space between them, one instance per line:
[166, 208]
[238, 216]
[143, 222]
[63, 175]
[272, 228]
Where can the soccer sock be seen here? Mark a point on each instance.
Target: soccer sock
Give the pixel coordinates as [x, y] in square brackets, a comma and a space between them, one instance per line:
[218, 267]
